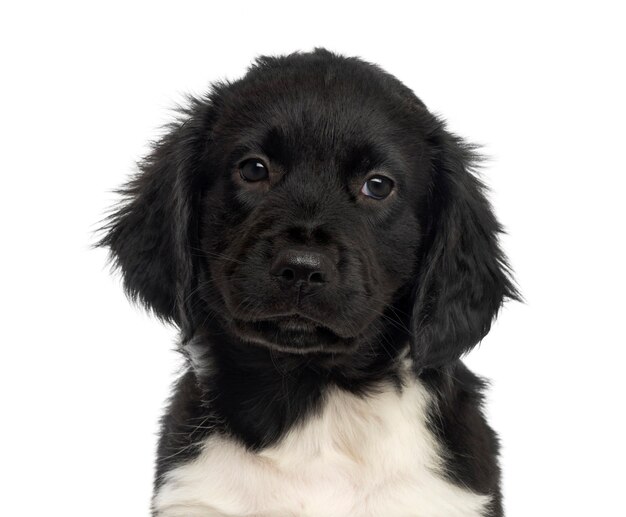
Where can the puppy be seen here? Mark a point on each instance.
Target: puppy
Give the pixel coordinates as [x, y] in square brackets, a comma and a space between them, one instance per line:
[320, 241]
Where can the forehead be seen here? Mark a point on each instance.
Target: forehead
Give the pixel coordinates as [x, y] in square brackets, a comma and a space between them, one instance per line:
[308, 115]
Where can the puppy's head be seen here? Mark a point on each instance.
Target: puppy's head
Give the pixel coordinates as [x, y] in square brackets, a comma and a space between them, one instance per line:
[314, 206]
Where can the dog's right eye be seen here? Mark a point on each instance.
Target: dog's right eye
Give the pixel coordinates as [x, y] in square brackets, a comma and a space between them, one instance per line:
[253, 169]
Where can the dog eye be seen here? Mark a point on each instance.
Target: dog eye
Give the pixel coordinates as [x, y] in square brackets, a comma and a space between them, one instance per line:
[253, 169]
[377, 187]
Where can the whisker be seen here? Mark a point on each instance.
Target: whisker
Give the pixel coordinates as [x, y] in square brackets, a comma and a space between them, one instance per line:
[216, 255]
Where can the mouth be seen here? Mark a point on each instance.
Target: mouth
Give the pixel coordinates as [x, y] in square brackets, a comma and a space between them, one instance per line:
[292, 333]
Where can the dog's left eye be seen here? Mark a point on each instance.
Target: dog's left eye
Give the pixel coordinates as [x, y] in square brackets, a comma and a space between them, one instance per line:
[377, 187]
[253, 169]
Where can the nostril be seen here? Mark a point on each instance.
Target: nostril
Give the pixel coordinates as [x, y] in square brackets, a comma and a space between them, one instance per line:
[288, 274]
[316, 278]
[293, 267]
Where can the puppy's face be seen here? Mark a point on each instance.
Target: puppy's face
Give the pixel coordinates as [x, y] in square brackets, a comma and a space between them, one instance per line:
[314, 206]
[311, 225]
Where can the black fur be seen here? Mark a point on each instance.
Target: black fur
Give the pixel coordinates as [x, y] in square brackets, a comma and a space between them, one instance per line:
[421, 269]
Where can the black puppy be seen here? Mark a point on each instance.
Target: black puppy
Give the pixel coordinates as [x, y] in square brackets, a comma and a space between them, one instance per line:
[320, 241]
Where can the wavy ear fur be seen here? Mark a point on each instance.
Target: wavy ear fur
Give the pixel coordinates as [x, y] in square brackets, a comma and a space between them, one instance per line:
[463, 276]
[150, 233]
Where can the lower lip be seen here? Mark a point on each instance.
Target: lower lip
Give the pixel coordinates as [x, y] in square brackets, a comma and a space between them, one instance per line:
[292, 334]
[295, 323]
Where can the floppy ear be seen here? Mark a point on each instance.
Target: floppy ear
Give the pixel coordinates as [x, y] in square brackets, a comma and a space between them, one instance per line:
[463, 277]
[151, 233]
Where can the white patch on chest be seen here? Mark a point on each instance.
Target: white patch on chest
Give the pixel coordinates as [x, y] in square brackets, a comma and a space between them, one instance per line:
[360, 457]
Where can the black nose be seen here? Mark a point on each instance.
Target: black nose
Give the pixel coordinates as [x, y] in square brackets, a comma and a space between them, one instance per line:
[302, 266]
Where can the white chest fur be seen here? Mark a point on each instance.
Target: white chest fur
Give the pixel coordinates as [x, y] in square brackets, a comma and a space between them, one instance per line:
[361, 457]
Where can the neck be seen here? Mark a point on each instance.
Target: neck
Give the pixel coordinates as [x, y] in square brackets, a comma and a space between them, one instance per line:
[258, 394]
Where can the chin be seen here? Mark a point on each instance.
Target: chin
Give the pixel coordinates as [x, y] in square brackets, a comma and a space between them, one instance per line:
[320, 241]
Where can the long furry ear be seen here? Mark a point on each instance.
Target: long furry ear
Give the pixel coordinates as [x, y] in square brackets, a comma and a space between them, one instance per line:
[463, 276]
[150, 232]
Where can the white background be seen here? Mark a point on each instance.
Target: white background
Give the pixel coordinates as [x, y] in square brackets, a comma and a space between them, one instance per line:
[84, 375]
